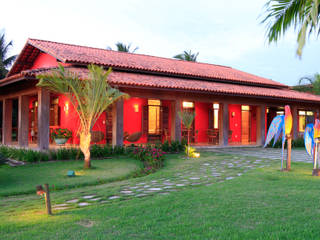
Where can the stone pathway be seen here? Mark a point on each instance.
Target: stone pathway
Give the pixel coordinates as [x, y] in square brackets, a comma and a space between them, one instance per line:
[204, 173]
[299, 155]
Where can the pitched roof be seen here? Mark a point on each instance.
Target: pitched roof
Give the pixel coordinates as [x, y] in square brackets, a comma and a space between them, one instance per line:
[75, 54]
[117, 78]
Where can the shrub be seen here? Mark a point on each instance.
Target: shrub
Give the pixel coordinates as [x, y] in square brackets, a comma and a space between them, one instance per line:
[166, 146]
[299, 142]
[191, 151]
[151, 157]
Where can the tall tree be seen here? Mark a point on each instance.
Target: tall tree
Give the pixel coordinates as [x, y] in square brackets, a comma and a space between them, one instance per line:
[121, 47]
[5, 61]
[187, 56]
[89, 97]
[309, 84]
[302, 15]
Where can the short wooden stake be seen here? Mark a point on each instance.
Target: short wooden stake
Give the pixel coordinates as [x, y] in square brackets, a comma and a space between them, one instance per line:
[47, 196]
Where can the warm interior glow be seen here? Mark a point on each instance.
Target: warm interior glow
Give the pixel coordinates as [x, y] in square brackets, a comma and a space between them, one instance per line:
[154, 116]
[302, 113]
[216, 106]
[215, 118]
[154, 102]
[187, 104]
[245, 107]
[267, 110]
[136, 108]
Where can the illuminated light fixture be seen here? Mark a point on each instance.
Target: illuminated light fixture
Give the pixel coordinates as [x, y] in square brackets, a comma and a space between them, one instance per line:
[215, 106]
[233, 114]
[280, 112]
[302, 113]
[36, 103]
[136, 108]
[309, 113]
[187, 104]
[267, 110]
[245, 107]
[196, 155]
[66, 107]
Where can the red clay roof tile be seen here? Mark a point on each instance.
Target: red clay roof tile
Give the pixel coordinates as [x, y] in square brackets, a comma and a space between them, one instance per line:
[86, 55]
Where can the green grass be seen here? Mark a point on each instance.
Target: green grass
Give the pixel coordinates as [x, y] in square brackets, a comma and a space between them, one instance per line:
[262, 204]
[24, 179]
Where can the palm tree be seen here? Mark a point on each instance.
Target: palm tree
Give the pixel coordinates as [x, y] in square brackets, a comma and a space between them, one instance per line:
[89, 97]
[312, 85]
[187, 56]
[5, 61]
[187, 120]
[121, 47]
[303, 15]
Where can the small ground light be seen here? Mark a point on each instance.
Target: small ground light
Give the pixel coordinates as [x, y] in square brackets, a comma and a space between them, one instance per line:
[71, 173]
[196, 155]
[45, 192]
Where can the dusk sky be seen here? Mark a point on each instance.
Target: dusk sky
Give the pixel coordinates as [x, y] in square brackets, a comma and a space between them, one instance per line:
[223, 32]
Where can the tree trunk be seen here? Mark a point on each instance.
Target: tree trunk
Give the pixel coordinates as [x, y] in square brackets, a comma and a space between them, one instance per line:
[188, 143]
[85, 139]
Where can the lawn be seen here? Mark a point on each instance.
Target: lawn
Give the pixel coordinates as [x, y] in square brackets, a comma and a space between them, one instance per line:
[263, 203]
[24, 179]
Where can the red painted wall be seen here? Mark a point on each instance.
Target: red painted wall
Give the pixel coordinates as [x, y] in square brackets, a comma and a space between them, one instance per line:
[132, 121]
[202, 121]
[235, 122]
[45, 60]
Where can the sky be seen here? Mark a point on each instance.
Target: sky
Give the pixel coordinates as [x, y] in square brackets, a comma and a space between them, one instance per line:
[223, 32]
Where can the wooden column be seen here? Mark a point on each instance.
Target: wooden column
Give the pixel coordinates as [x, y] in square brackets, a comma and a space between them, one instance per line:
[43, 118]
[262, 125]
[225, 124]
[176, 121]
[294, 113]
[117, 123]
[23, 121]
[7, 121]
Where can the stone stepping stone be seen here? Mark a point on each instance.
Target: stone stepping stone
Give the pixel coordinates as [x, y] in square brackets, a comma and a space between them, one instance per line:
[60, 208]
[126, 192]
[83, 204]
[206, 164]
[195, 178]
[239, 174]
[154, 181]
[95, 199]
[146, 186]
[89, 196]
[229, 178]
[180, 185]
[166, 187]
[114, 197]
[61, 205]
[73, 200]
[133, 187]
[141, 195]
[168, 183]
[155, 189]
[164, 193]
[104, 201]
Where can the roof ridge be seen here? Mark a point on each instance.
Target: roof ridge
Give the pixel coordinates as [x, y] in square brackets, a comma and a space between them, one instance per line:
[140, 54]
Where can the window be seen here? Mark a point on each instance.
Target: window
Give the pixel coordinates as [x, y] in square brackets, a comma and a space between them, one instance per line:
[188, 105]
[305, 117]
[215, 115]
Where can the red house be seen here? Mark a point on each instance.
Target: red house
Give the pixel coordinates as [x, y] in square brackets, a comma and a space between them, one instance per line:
[232, 107]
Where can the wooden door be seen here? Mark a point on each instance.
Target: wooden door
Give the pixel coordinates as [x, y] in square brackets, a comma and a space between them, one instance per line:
[245, 127]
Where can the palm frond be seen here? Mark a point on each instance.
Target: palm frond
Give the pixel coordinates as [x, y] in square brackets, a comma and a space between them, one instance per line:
[187, 118]
[187, 56]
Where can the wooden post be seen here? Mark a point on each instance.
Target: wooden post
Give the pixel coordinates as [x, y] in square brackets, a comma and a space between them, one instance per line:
[176, 121]
[7, 121]
[43, 118]
[316, 170]
[294, 122]
[23, 121]
[262, 124]
[289, 139]
[225, 124]
[117, 123]
[48, 201]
